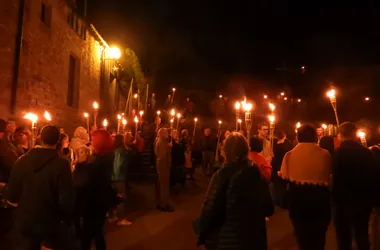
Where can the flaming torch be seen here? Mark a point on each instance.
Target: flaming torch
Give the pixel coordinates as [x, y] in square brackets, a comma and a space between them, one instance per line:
[195, 126]
[124, 124]
[96, 108]
[33, 118]
[272, 119]
[332, 96]
[363, 140]
[173, 95]
[248, 118]
[86, 116]
[237, 107]
[136, 124]
[47, 116]
[178, 118]
[105, 124]
[118, 123]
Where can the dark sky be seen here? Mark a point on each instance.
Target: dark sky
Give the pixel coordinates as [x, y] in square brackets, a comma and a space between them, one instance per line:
[182, 39]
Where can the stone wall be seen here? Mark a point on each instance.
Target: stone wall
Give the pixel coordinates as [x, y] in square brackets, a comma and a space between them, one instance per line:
[44, 68]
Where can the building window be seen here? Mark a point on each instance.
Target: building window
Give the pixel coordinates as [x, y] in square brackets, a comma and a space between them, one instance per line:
[77, 24]
[46, 14]
[73, 82]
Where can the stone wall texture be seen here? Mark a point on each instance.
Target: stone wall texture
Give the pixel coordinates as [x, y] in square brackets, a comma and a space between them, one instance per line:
[44, 68]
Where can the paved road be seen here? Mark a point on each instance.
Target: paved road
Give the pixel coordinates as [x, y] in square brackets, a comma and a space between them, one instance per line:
[173, 231]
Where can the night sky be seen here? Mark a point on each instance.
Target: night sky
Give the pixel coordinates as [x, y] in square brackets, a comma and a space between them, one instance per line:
[212, 41]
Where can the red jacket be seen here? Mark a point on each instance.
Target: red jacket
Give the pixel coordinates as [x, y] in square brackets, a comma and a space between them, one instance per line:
[264, 167]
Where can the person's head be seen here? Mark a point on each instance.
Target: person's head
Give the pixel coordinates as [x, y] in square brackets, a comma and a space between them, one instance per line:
[327, 142]
[307, 134]
[320, 132]
[83, 154]
[175, 134]
[185, 133]
[347, 131]
[50, 136]
[256, 144]
[153, 94]
[61, 130]
[188, 99]
[63, 142]
[3, 126]
[235, 149]
[281, 136]
[81, 133]
[169, 97]
[119, 141]
[128, 137]
[22, 135]
[11, 127]
[158, 120]
[207, 131]
[102, 142]
[163, 133]
[263, 130]
[376, 152]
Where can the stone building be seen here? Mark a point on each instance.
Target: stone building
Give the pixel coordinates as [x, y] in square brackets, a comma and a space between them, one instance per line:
[52, 60]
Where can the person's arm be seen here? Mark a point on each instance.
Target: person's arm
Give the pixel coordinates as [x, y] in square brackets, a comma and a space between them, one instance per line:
[15, 183]
[266, 170]
[213, 208]
[65, 188]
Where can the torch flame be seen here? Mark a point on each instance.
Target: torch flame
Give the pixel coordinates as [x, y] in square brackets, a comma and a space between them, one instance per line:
[272, 118]
[85, 115]
[141, 113]
[172, 112]
[47, 116]
[220, 122]
[158, 112]
[105, 123]
[272, 107]
[361, 134]
[331, 93]
[95, 105]
[32, 117]
[119, 117]
[195, 119]
[247, 106]
[237, 105]
[178, 115]
[136, 119]
[124, 121]
[239, 121]
[324, 126]
[298, 125]
[172, 120]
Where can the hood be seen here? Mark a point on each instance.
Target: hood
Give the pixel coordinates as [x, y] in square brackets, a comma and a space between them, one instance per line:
[39, 158]
[81, 134]
[77, 143]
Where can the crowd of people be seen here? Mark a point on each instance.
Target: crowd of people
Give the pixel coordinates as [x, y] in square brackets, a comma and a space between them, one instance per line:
[63, 190]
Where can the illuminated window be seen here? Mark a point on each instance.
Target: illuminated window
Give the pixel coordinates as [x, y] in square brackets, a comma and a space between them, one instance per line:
[46, 14]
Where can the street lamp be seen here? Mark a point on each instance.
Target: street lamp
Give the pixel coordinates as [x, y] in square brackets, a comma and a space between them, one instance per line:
[114, 53]
[331, 95]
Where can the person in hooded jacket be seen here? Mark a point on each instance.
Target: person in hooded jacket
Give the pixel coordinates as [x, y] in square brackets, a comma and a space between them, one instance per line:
[80, 139]
[41, 188]
[237, 202]
[99, 194]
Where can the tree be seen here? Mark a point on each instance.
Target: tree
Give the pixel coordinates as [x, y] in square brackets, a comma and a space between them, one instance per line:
[132, 68]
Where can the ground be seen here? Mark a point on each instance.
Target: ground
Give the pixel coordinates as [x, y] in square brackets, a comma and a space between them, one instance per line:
[173, 231]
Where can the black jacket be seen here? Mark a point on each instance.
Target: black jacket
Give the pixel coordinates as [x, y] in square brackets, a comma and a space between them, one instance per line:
[233, 215]
[208, 143]
[41, 184]
[178, 154]
[355, 175]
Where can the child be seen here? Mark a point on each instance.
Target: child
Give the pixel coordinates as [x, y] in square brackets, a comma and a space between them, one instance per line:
[189, 163]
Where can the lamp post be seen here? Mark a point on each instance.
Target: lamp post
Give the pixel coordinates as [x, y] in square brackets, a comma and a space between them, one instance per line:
[237, 107]
[96, 108]
[248, 118]
[331, 94]
[195, 126]
[86, 117]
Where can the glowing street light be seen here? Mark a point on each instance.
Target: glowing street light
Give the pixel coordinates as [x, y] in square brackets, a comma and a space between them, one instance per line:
[114, 53]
